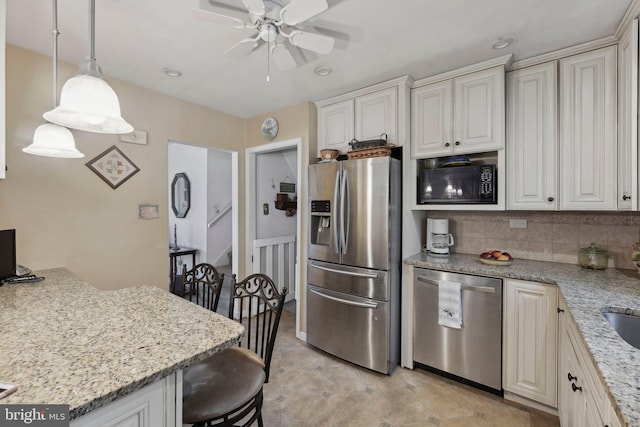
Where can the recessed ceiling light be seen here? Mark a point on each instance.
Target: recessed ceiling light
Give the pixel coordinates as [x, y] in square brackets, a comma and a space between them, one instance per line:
[322, 71]
[172, 73]
[501, 43]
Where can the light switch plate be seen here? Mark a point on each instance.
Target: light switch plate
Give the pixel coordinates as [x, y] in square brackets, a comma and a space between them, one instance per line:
[148, 211]
[135, 137]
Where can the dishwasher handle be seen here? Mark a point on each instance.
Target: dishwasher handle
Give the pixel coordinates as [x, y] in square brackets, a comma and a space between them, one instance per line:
[485, 289]
[344, 301]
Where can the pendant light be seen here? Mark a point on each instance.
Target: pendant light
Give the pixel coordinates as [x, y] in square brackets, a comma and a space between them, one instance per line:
[52, 140]
[87, 102]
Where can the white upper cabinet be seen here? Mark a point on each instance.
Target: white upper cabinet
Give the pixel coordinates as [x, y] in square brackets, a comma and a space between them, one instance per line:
[335, 127]
[375, 114]
[532, 141]
[365, 114]
[461, 115]
[3, 23]
[628, 119]
[431, 112]
[588, 147]
[479, 111]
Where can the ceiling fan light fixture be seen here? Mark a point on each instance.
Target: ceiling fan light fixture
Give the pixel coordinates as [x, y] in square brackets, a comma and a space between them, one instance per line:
[501, 43]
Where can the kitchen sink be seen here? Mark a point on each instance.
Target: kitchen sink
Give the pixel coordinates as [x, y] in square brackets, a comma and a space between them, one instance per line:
[626, 325]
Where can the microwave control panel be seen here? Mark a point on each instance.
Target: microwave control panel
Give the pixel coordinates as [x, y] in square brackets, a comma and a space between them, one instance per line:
[487, 187]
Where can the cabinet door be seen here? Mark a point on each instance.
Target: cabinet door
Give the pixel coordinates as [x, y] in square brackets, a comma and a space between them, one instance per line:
[3, 14]
[530, 335]
[335, 126]
[628, 119]
[588, 131]
[146, 407]
[570, 403]
[532, 142]
[479, 111]
[377, 113]
[431, 125]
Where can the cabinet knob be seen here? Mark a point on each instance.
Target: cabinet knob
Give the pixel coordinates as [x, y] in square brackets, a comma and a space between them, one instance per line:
[571, 377]
[550, 199]
[625, 197]
[457, 142]
[559, 310]
[446, 144]
[575, 388]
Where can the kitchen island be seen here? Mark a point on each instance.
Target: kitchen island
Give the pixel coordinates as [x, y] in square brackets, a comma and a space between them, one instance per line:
[585, 292]
[65, 342]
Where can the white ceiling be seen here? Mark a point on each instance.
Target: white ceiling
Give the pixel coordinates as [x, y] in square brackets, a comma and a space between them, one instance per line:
[376, 41]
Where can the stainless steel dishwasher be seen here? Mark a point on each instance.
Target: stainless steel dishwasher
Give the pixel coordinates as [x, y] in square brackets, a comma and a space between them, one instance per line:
[473, 352]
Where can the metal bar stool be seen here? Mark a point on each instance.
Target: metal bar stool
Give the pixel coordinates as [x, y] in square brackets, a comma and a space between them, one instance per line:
[226, 388]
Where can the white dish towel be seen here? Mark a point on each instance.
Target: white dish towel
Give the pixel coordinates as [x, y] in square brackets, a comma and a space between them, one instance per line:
[450, 304]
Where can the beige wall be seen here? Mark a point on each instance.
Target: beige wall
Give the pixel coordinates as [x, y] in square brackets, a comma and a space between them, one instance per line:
[64, 214]
[297, 121]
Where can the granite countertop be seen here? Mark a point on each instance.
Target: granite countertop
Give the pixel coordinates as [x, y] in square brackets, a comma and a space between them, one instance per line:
[63, 341]
[585, 292]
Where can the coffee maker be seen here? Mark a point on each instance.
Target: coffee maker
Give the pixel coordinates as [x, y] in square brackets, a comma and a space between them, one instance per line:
[438, 237]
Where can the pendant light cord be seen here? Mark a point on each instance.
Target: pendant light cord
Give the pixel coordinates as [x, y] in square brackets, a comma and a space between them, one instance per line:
[92, 30]
[55, 33]
[268, 54]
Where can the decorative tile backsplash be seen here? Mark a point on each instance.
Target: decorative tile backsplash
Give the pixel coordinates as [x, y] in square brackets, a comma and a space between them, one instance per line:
[549, 236]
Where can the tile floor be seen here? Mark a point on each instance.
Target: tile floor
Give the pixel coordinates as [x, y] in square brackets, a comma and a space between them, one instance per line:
[310, 388]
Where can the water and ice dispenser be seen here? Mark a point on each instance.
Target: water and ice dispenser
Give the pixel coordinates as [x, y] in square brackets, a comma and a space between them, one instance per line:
[321, 222]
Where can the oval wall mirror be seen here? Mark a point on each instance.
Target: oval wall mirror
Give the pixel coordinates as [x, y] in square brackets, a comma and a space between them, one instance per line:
[180, 195]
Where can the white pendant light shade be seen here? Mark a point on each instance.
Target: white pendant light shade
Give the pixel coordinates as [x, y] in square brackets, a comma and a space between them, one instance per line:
[88, 103]
[53, 141]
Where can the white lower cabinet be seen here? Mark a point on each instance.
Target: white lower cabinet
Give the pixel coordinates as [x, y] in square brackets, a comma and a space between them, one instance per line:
[582, 399]
[155, 405]
[530, 337]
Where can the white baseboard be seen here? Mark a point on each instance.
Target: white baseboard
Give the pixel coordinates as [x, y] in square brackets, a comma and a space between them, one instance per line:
[531, 403]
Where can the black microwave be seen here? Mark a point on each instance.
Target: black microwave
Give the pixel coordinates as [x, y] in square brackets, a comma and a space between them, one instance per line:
[473, 184]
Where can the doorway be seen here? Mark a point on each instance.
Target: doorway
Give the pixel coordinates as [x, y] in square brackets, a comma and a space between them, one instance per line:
[273, 218]
[210, 225]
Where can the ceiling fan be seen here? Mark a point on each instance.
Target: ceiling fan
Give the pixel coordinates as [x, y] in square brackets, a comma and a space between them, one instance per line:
[275, 25]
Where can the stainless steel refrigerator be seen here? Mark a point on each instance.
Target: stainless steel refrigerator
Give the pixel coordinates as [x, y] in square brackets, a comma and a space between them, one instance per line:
[353, 266]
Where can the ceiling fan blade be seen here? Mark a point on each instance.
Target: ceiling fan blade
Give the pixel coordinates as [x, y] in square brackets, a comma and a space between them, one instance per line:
[208, 4]
[283, 57]
[255, 6]
[242, 48]
[217, 18]
[311, 41]
[300, 10]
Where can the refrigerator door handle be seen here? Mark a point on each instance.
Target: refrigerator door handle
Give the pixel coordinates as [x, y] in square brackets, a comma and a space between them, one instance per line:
[336, 223]
[344, 301]
[349, 273]
[346, 199]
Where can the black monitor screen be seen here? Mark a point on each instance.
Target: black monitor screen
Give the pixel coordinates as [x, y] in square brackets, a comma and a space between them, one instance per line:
[7, 253]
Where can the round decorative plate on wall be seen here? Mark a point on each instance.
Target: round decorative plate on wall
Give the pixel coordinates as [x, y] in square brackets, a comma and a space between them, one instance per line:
[269, 128]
